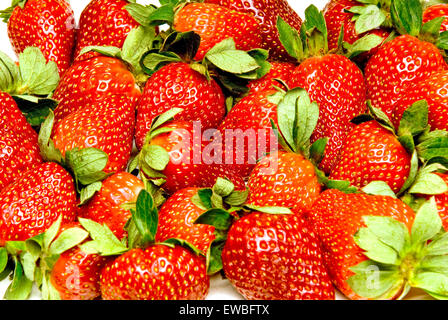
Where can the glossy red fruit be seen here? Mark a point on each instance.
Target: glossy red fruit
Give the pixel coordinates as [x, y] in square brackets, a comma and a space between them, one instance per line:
[177, 85]
[399, 64]
[279, 70]
[104, 23]
[105, 206]
[337, 216]
[266, 13]
[338, 87]
[247, 130]
[107, 125]
[437, 11]
[157, 273]
[46, 24]
[19, 150]
[276, 257]
[435, 91]
[177, 217]
[372, 153]
[284, 179]
[31, 204]
[76, 274]
[91, 80]
[215, 23]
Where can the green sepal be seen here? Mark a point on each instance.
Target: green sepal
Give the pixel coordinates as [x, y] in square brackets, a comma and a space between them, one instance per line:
[219, 218]
[434, 283]
[151, 15]
[156, 157]
[379, 188]
[427, 223]
[429, 183]
[89, 191]
[341, 185]
[407, 16]
[365, 44]
[87, 165]
[314, 32]
[67, 239]
[414, 120]
[432, 145]
[290, 39]
[3, 259]
[9, 73]
[268, 209]
[6, 14]
[367, 18]
[35, 109]
[20, 287]
[47, 148]
[214, 257]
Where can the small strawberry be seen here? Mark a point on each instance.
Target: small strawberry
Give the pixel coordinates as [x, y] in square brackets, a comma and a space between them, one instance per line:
[104, 23]
[105, 207]
[437, 11]
[31, 204]
[48, 25]
[266, 13]
[275, 257]
[215, 23]
[19, 150]
[376, 247]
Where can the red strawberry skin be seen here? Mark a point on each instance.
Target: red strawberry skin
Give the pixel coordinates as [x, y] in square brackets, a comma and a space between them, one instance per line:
[279, 70]
[284, 179]
[48, 25]
[436, 11]
[276, 257]
[337, 216]
[105, 206]
[107, 125]
[266, 13]
[215, 23]
[19, 150]
[157, 273]
[177, 217]
[338, 87]
[30, 205]
[435, 91]
[104, 23]
[372, 153]
[399, 64]
[177, 85]
[91, 80]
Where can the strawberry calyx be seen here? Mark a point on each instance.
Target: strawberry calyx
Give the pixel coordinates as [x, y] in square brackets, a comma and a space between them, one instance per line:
[399, 259]
[31, 82]
[6, 14]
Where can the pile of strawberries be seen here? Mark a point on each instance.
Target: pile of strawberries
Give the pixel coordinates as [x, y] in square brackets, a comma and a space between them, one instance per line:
[145, 148]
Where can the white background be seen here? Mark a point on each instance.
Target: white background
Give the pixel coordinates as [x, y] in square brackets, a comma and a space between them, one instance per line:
[220, 289]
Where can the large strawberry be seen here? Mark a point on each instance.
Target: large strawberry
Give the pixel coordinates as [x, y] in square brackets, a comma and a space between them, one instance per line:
[271, 256]
[266, 13]
[354, 228]
[48, 25]
[215, 23]
[405, 60]
[31, 204]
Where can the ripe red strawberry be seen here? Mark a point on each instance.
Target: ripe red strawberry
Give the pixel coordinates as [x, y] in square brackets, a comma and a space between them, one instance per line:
[397, 66]
[215, 23]
[435, 91]
[19, 150]
[372, 153]
[104, 23]
[159, 272]
[337, 216]
[105, 205]
[276, 257]
[107, 125]
[91, 80]
[338, 87]
[48, 25]
[279, 70]
[266, 13]
[178, 85]
[31, 204]
[284, 179]
[76, 274]
[436, 11]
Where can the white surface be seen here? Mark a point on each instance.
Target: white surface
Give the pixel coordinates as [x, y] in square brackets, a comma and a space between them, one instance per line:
[220, 289]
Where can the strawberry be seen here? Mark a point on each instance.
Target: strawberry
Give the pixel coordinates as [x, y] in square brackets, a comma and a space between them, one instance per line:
[437, 11]
[215, 23]
[31, 204]
[104, 23]
[367, 236]
[105, 205]
[442, 203]
[432, 90]
[404, 61]
[275, 257]
[18, 142]
[266, 13]
[48, 25]
[279, 70]
[107, 125]
[371, 153]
